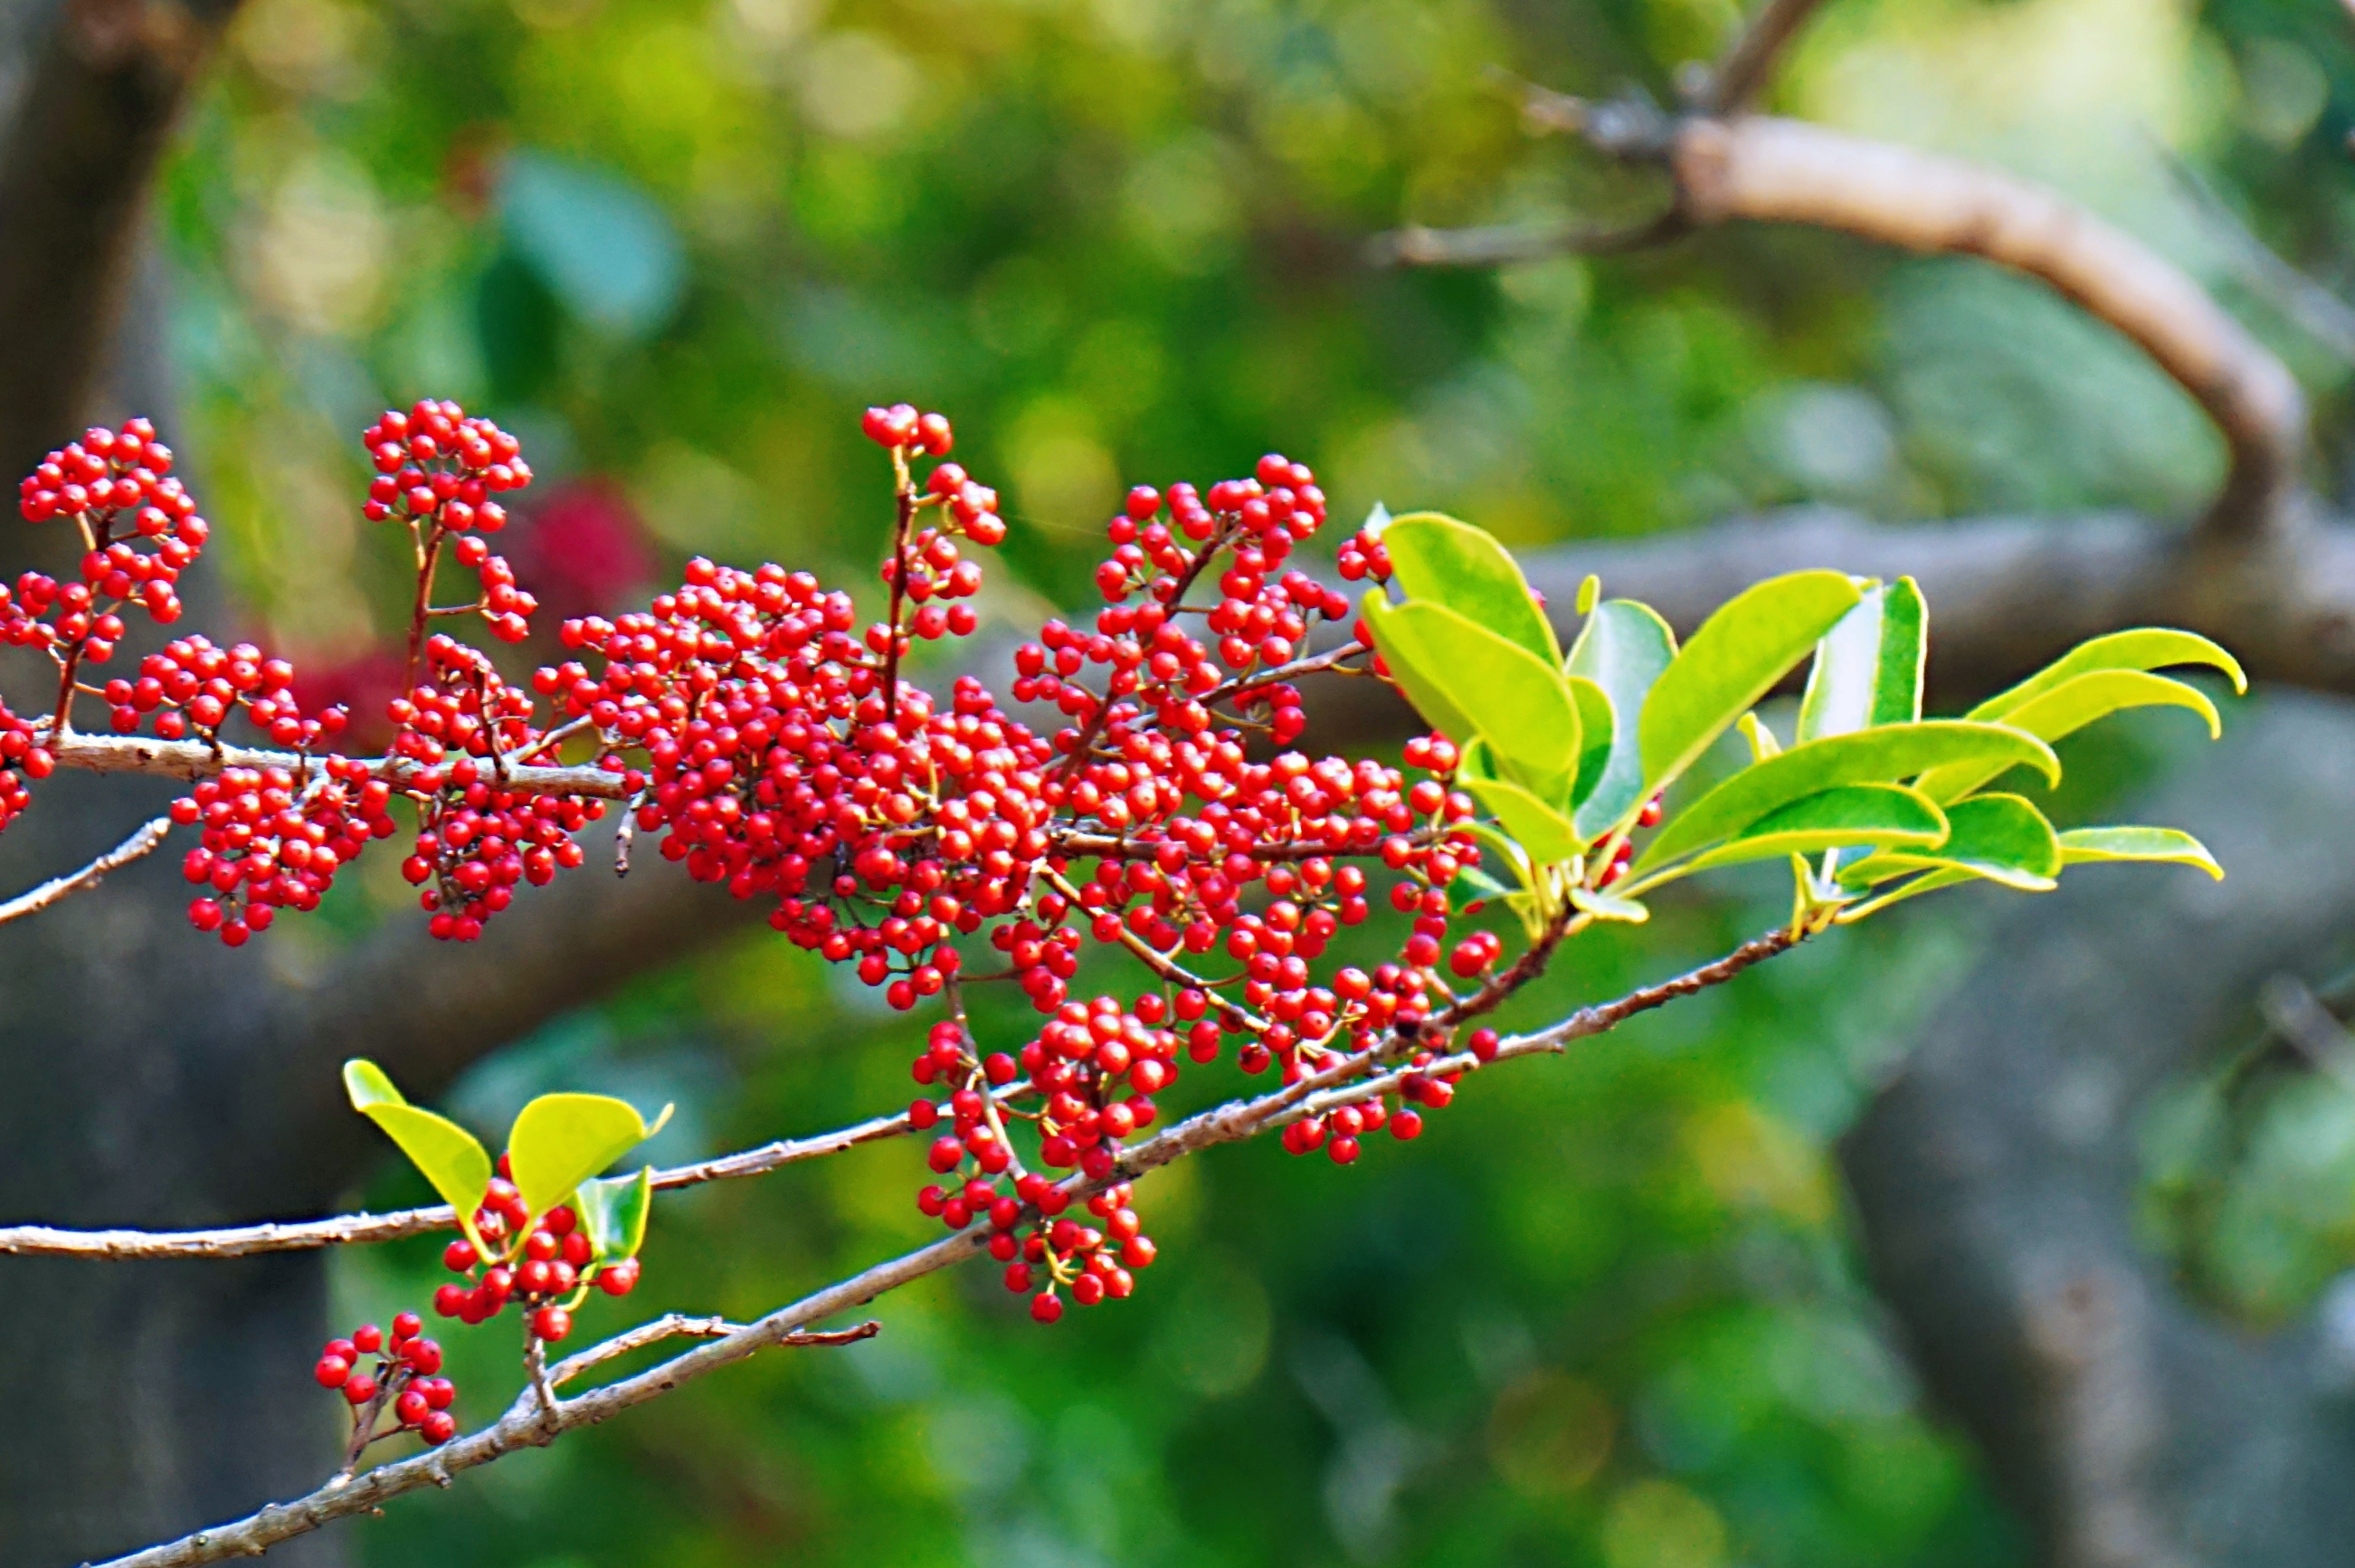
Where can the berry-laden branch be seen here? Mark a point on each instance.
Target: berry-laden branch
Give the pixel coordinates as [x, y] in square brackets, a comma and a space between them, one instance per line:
[528, 1424]
[773, 750]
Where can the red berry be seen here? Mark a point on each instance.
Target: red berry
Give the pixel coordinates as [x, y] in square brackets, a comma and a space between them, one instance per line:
[360, 1389]
[332, 1370]
[618, 1279]
[437, 1429]
[1046, 1306]
[551, 1324]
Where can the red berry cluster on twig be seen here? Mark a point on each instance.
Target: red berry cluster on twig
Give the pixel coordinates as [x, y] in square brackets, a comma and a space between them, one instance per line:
[406, 1378]
[544, 1263]
[761, 726]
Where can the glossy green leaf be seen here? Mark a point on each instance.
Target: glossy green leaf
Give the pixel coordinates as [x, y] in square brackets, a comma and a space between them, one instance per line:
[1623, 648]
[2069, 707]
[1927, 882]
[1597, 732]
[2094, 846]
[2143, 648]
[2001, 837]
[1458, 673]
[1438, 560]
[448, 1156]
[1882, 755]
[1608, 906]
[558, 1141]
[613, 1212]
[1882, 814]
[1546, 834]
[1868, 668]
[1736, 657]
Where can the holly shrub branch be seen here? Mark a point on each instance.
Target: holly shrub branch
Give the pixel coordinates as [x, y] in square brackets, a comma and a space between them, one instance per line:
[766, 739]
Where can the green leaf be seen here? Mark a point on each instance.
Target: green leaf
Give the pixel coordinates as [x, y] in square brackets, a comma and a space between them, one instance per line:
[613, 1212]
[2094, 846]
[1544, 833]
[1736, 657]
[1608, 906]
[1928, 882]
[1438, 561]
[2068, 707]
[1597, 733]
[558, 1141]
[447, 1155]
[1868, 668]
[1623, 648]
[1457, 673]
[2144, 649]
[2001, 837]
[1882, 755]
[1882, 815]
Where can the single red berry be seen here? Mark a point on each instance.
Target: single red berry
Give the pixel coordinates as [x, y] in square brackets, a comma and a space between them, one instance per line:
[360, 1389]
[408, 1326]
[551, 1324]
[437, 1429]
[1046, 1306]
[332, 1370]
[367, 1339]
[619, 1278]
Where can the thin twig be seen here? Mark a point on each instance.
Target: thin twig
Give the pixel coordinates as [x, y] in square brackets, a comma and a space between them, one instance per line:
[149, 833]
[1498, 244]
[1742, 74]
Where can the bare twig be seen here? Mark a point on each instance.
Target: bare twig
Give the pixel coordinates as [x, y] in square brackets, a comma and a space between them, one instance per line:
[149, 833]
[531, 1424]
[243, 1240]
[1742, 74]
[1495, 245]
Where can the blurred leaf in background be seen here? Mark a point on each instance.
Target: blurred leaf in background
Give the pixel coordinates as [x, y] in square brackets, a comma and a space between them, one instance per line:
[1606, 1311]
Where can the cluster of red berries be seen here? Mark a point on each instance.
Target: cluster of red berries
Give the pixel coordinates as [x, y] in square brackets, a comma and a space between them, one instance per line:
[22, 756]
[273, 842]
[437, 470]
[406, 1378]
[191, 684]
[97, 481]
[477, 837]
[544, 1263]
[763, 732]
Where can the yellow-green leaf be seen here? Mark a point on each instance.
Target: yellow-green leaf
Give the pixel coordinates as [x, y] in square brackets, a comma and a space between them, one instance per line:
[1544, 833]
[558, 1141]
[1880, 755]
[1436, 560]
[1608, 906]
[1623, 648]
[2069, 707]
[1868, 668]
[2093, 846]
[613, 1214]
[1597, 735]
[2142, 649]
[1880, 814]
[2001, 837]
[1457, 672]
[445, 1154]
[1735, 658]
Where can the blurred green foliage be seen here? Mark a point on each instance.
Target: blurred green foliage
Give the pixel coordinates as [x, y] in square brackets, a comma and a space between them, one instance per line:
[1606, 1312]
